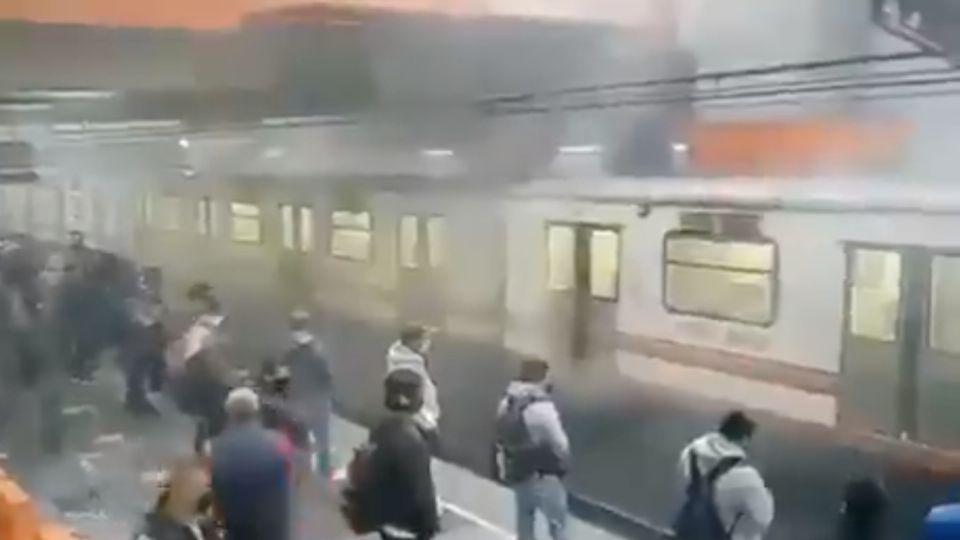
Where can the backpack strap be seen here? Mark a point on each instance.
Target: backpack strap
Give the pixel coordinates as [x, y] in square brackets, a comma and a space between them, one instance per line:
[721, 468]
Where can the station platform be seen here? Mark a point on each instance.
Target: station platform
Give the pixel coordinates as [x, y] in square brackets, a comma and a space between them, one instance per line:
[107, 479]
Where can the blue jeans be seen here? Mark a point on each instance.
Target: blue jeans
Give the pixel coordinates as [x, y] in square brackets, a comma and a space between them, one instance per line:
[547, 495]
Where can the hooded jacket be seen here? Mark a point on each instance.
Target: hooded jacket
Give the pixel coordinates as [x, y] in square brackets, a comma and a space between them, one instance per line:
[742, 498]
[399, 356]
[542, 420]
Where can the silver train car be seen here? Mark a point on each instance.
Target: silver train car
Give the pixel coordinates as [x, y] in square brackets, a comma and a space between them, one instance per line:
[824, 307]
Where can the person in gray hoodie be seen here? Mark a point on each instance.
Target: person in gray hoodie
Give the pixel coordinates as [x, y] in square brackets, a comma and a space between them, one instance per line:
[539, 486]
[410, 352]
[742, 499]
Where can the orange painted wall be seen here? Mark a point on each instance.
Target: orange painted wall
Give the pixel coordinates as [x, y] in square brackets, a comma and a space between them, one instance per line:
[225, 14]
[795, 146]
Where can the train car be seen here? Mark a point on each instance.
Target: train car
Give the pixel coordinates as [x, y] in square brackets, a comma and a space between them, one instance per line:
[822, 306]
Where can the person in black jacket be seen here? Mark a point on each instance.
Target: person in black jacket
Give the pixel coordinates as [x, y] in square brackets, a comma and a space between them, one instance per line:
[406, 501]
[863, 516]
[310, 385]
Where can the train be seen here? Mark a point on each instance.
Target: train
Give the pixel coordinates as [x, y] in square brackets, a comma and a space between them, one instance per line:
[825, 307]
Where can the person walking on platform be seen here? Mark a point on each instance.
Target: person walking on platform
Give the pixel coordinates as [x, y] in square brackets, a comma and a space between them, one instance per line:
[404, 496]
[142, 351]
[200, 375]
[724, 493]
[533, 451]
[311, 385]
[410, 352]
[251, 472]
[278, 414]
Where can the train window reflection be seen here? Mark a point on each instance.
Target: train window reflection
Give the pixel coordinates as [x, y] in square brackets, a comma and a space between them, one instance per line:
[288, 228]
[409, 238]
[245, 221]
[945, 304]
[168, 213]
[561, 244]
[720, 278]
[436, 241]
[604, 263]
[351, 235]
[875, 294]
[306, 229]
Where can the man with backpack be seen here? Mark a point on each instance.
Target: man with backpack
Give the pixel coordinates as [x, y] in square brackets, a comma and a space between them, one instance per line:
[532, 451]
[390, 488]
[726, 498]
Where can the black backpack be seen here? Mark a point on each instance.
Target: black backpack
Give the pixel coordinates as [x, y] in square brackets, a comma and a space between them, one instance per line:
[515, 453]
[358, 502]
[699, 518]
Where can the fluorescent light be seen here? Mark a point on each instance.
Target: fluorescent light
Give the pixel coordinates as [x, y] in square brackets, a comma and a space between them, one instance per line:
[117, 126]
[299, 120]
[62, 94]
[437, 152]
[184, 143]
[582, 149]
[25, 107]
[680, 147]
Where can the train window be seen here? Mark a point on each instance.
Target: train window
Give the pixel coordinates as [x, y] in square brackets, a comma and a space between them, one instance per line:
[436, 241]
[561, 244]
[288, 226]
[306, 229]
[945, 304]
[146, 209]
[409, 238]
[44, 209]
[168, 213]
[206, 223]
[351, 235]
[76, 211]
[720, 278]
[245, 223]
[604, 263]
[108, 216]
[15, 206]
[875, 294]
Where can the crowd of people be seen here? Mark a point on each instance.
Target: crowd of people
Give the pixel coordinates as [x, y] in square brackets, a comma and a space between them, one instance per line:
[258, 439]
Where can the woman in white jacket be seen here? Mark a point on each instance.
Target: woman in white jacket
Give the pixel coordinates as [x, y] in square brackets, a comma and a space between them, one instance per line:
[741, 497]
[409, 352]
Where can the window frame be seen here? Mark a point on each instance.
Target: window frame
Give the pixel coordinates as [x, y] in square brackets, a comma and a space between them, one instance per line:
[401, 252]
[334, 228]
[619, 271]
[773, 273]
[259, 218]
[205, 218]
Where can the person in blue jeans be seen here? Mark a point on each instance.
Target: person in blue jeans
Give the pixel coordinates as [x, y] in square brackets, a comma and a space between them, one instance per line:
[541, 462]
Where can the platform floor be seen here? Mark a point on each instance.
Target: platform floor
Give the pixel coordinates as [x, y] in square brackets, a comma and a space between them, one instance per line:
[106, 481]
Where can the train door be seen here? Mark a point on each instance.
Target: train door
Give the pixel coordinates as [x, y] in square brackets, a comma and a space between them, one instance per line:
[938, 367]
[583, 277]
[901, 356]
[421, 253]
[297, 242]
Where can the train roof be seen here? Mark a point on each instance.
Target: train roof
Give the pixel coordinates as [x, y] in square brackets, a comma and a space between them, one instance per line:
[858, 194]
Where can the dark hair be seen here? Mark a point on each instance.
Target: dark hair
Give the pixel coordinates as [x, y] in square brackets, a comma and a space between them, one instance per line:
[403, 391]
[737, 426]
[864, 508]
[534, 371]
